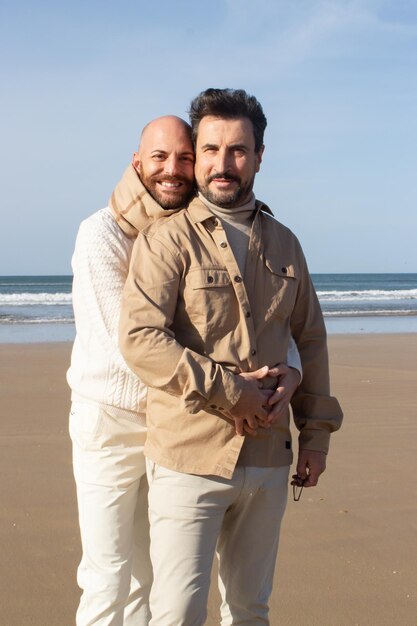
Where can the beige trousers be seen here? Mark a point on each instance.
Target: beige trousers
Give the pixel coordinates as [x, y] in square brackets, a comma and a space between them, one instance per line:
[115, 573]
[192, 515]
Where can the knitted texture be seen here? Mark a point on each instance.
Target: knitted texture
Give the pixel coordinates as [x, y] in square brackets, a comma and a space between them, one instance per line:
[100, 265]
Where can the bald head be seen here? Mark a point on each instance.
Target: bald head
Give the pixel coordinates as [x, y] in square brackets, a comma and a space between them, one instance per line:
[165, 161]
[168, 124]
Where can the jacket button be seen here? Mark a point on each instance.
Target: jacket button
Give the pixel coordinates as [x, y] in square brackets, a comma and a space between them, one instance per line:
[210, 279]
[238, 279]
[247, 314]
[223, 244]
[253, 352]
[284, 270]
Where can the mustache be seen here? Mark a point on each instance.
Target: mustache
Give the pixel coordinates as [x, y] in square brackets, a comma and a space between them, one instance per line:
[224, 175]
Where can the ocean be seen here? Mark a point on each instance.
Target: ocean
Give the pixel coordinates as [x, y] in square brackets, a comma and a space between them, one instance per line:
[38, 308]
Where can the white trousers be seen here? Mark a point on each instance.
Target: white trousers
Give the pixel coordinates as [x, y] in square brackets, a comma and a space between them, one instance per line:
[115, 572]
[191, 515]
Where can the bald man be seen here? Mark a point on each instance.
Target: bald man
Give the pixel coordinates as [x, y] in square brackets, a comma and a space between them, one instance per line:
[107, 419]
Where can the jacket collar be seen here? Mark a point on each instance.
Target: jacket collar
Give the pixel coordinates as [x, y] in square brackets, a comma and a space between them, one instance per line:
[199, 212]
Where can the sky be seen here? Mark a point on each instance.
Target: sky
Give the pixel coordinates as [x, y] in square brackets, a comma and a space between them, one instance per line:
[337, 80]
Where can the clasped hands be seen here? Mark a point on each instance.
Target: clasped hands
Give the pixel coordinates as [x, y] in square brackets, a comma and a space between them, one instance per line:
[258, 407]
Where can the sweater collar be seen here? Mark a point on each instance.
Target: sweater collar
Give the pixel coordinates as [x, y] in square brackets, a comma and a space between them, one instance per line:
[233, 215]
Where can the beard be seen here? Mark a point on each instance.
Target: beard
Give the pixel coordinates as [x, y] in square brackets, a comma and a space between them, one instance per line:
[168, 199]
[228, 199]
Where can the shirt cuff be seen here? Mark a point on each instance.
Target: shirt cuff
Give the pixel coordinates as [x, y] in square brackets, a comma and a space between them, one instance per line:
[227, 393]
[314, 440]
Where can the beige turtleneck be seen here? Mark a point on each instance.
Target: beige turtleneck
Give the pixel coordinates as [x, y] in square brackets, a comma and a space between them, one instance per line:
[237, 223]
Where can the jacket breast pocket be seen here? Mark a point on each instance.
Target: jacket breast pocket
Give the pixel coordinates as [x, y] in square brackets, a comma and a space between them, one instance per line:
[280, 288]
[209, 297]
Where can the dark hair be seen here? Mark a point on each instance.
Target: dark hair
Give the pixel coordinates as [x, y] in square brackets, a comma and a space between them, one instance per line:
[228, 104]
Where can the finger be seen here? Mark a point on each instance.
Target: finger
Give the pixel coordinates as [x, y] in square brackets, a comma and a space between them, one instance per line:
[277, 411]
[278, 370]
[257, 376]
[301, 469]
[262, 409]
[249, 431]
[263, 423]
[312, 479]
[262, 414]
[260, 373]
[315, 470]
[238, 425]
[276, 396]
[252, 422]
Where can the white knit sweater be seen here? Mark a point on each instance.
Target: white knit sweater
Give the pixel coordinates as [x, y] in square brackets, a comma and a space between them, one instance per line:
[98, 373]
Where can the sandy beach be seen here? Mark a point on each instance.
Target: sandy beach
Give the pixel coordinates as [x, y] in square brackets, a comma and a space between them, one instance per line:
[348, 548]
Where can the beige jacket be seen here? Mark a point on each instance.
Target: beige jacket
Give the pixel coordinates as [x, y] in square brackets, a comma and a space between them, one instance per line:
[190, 323]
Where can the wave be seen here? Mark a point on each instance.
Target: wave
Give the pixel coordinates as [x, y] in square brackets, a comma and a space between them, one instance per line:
[367, 294]
[36, 320]
[43, 298]
[25, 299]
[373, 313]
[33, 283]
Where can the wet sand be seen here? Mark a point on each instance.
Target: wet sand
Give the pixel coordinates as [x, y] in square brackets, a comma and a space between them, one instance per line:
[348, 548]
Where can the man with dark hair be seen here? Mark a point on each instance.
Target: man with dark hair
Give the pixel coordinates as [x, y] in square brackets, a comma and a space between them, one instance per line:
[229, 104]
[215, 291]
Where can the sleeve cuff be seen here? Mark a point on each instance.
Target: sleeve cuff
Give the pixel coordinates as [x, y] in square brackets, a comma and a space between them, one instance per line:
[314, 440]
[227, 392]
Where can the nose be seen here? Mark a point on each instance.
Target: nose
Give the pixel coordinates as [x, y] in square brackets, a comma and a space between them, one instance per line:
[222, 163]
[172, 165]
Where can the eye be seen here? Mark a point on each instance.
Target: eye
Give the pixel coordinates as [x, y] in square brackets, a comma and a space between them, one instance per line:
[158, 156]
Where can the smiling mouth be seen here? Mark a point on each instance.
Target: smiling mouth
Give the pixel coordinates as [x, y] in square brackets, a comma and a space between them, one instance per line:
[170, 185]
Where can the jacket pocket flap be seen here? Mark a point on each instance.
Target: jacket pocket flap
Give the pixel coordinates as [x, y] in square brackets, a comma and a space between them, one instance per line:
[208, 278]
[280, 269]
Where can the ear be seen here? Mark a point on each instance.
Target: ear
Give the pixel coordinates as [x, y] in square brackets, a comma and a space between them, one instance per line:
[136, 161]
[258, 158]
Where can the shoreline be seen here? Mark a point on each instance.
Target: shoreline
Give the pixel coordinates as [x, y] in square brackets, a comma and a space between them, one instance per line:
[346, 554]
[67, 343]
[336, 326]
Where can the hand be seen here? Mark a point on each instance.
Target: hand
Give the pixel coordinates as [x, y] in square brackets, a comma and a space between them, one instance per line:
[311, 464]
[251, 410]
[259, 376]
[288, 379]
